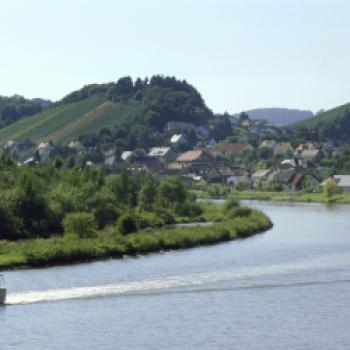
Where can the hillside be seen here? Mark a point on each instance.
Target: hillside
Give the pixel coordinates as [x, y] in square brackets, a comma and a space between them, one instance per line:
[332, 125]
[17, 107]
[125, 103]
[328, 116]
[279, 116]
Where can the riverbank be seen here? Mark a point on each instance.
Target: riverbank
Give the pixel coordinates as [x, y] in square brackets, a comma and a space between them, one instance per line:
[108, 244]
[293, 197]
[300, 197]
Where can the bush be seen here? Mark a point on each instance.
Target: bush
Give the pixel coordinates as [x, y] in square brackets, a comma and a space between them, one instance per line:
[166, 216]
[231, 203]
[127, 223]
[106, 215]
[189, 209]
[239, 212]
[148, 219]
[81, 224]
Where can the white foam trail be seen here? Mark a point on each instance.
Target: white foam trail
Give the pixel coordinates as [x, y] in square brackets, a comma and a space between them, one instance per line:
[166, 283]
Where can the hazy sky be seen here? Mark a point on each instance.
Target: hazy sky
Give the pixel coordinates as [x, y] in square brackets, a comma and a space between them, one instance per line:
[239, 54]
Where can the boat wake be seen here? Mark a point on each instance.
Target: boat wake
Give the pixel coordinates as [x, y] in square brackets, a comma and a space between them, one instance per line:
[189, 283]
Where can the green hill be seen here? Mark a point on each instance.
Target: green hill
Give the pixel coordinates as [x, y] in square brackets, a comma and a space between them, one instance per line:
[125, 103]
[332, 125]
[326, 117]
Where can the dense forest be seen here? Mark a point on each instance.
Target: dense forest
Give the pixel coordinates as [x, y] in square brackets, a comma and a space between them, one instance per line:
[17, 107]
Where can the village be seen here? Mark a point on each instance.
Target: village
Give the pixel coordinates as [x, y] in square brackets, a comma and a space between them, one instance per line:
[212, 161]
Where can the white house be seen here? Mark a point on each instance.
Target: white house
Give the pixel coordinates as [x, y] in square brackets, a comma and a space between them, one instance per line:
[178, 140]
[163, 154]
[44, 150]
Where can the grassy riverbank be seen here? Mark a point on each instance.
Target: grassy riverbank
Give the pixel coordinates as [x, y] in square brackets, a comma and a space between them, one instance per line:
[301, 197]
[60, 250]
[294, 197]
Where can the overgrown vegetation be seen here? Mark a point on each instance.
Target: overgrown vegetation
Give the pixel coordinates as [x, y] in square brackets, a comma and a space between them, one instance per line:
[110, 242]
[47, 199]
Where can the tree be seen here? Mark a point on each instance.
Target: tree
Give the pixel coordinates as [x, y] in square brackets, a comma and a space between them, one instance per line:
[31, 205]
[148, 193]
[172, 193]
[80, 224]
[330, 188]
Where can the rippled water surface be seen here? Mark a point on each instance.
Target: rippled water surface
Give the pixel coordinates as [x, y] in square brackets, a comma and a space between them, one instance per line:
[288, 288]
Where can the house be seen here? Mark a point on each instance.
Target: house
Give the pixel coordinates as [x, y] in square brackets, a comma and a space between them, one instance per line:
[342, 181]
[327, 149]
[308, 157]
[28, 161]
[126, 155]
[44, 150]
[178, 140]
[287, 163]
[283, 176]
[229, 149]
[236, 174]
[202, 131]
[260, 176]
[137, 155]
[195, 156]
[178, 127]
[278, 148]
[110, 157]
[149, 165]
[309, 146]
[211, 143]
[162, 154]
[14, 147]
[270, 144]
[282, 148]
[301, 180]
[75, 145]
[345, 148]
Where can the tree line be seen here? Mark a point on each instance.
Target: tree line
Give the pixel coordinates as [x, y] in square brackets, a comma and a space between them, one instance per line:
[49, 199]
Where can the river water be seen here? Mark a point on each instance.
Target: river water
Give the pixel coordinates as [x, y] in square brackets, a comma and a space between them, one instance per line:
[288, 288]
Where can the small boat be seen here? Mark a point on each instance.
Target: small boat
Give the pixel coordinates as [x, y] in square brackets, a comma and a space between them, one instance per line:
[2, 290]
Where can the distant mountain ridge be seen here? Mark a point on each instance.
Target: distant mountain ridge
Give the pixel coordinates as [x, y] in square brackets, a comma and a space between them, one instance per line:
[279, 116]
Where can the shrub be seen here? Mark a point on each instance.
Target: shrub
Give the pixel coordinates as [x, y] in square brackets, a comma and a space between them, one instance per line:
[81, 224]
[127, 223]
[189, 209]
[106, 215]
[166, 216]
[148, 219]
[330, 188]
[231, 203]
[239, 212]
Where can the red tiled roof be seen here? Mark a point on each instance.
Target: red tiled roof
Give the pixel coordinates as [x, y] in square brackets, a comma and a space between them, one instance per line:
[297, 178]
[190, 156]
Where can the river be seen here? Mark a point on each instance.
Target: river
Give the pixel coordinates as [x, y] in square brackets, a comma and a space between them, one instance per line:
[288, 288]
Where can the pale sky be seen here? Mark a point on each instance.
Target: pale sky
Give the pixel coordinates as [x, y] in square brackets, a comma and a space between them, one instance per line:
[238, 54]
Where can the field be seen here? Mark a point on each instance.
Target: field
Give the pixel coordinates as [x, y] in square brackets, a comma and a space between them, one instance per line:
[62, 123]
